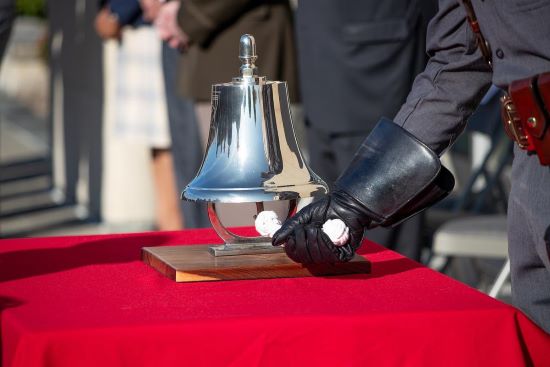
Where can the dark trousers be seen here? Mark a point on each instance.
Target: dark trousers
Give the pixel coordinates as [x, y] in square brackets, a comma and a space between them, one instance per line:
[186, 144]
[529, 237]
[329, 156]
[7, 14]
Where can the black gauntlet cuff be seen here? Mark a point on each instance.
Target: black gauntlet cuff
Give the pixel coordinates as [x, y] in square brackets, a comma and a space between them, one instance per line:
[394, 175]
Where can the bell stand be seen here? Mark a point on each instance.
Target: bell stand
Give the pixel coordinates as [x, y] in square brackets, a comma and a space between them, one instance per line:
[239, 258]
[251, 257]
[240, 245]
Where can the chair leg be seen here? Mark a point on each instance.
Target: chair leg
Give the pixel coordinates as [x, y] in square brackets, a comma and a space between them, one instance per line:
[501, 279]
[438, 263]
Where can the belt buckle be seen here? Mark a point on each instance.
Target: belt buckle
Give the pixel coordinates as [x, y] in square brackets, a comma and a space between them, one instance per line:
[512, 122]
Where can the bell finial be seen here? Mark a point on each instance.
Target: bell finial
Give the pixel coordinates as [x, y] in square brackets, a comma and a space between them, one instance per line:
[247, 54]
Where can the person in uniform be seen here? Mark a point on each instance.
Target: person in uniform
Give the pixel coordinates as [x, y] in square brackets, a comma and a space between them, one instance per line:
[376, 48]
[397, 172]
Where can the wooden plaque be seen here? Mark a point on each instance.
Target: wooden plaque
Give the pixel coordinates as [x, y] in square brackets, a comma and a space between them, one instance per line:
[195, 264]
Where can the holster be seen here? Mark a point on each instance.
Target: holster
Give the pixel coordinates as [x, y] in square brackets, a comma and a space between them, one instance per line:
[525, 114]
[394, 175]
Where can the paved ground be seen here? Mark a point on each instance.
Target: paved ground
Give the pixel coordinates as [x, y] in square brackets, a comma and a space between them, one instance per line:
[25, 135]
[22, 134]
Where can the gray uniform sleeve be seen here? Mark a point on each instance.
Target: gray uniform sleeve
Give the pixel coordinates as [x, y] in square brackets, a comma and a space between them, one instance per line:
[448, 91]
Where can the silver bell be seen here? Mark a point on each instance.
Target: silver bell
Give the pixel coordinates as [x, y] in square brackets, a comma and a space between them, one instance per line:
[252, 154]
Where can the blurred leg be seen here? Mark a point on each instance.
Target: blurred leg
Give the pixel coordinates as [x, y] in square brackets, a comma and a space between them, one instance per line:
[203, 111]
[168, 215]
[7, 14]
[186, 147]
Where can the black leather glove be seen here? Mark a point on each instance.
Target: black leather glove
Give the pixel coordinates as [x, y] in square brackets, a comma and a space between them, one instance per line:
[392, 177]
[306, 243]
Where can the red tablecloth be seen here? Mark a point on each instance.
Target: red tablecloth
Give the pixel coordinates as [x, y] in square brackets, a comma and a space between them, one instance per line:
[90, 301]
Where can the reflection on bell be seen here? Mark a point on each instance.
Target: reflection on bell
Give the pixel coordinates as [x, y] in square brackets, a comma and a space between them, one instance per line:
[252, 154]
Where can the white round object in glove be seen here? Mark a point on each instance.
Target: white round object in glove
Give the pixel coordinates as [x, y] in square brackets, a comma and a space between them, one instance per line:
[337, 231]
[267, 223]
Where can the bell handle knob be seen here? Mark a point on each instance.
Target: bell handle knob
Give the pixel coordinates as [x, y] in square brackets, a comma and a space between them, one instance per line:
[248, 56]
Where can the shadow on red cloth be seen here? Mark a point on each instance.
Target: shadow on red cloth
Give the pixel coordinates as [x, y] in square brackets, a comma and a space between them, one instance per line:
[378, 269]
[369, 248]
[523, 343]
[385, 267]
[6, 302]
[382, 262]
[390, 267]
[28, 263]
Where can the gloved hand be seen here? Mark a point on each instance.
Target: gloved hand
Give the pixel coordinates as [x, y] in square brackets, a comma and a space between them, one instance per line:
[392, 177]
[306, 243]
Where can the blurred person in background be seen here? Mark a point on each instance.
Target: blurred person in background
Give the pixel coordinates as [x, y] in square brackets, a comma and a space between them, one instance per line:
[186, 144]
[207, 32]
[357, 62]
[7, 14]
[139, 105]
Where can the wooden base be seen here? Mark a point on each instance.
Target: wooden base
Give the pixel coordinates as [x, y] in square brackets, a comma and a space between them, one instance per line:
[194, 263]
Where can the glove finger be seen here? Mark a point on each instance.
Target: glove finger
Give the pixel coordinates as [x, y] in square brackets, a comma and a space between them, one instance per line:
[345, 253]
[302, 252]
[312, 234]
[287, 229]
[304, 216]
[355, 238]
[290, 249]
[281, 237]
[328, 249]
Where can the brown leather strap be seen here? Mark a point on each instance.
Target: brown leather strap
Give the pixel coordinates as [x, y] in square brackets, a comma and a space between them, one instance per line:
[481, 42]
[512, 122]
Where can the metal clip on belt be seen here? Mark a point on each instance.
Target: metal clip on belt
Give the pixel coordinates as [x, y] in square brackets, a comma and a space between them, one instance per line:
[512, 122]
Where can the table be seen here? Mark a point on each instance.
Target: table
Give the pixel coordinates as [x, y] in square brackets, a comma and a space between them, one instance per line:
[90, 301]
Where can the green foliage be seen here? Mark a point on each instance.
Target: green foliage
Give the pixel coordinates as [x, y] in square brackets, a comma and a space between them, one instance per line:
[34, 8]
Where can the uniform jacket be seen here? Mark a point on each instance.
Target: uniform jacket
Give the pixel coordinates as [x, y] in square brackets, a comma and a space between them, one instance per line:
[358, 59]
[457, 77]
[215, 28]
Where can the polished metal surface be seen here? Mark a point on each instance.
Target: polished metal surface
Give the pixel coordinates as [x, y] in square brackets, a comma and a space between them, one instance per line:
[252, 154]
[247, 55]
[230, 237]
[252, 248]
[240, 245]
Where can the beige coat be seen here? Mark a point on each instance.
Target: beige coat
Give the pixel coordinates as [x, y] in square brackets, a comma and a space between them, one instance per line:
[215, 26]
